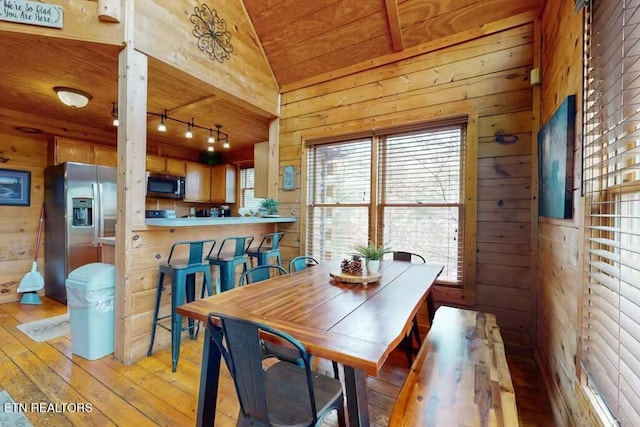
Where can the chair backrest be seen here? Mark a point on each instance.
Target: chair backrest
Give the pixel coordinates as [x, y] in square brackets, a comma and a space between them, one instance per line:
[240, 345]
[196, 250]
[260, 273]
[407, 256]
[270, 241]
[301, 262]
[240, 245]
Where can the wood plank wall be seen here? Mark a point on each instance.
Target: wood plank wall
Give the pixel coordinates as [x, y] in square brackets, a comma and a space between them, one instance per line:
[19, 224]
[488, 75]
[560, 259]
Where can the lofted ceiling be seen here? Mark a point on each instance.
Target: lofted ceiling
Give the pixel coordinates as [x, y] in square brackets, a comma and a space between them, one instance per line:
[301, 40]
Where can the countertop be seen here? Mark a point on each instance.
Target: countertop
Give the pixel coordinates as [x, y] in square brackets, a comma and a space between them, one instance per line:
[234, 220]
[106, 240]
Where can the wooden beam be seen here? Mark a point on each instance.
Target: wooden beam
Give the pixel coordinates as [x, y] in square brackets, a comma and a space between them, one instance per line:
[454, 39]
[109, 10]
[394, 24]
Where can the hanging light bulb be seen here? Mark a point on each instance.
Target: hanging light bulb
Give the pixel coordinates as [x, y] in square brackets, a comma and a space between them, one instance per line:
[210, 148]
[162, 127]
[226, 144]
[188, 133]
[211, 139]
[114, 114]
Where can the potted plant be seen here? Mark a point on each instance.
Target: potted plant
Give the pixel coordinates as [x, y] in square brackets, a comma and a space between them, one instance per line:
[269, 206]
[372, 255]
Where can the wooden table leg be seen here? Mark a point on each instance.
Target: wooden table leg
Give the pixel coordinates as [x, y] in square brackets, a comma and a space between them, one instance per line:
[356, 389]
[431, 308]
[209, 375]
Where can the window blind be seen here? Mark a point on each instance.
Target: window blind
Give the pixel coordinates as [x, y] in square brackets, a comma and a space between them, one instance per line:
[421, 196]
[339, 197]
[611, 311]
[247, 181]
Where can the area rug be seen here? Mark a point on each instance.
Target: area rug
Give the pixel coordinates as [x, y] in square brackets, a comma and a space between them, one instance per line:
[11, 413]
[46, 329]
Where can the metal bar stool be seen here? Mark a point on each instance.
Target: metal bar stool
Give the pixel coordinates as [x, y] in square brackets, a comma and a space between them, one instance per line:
[267, 249]
[228, 261]
[182, 272]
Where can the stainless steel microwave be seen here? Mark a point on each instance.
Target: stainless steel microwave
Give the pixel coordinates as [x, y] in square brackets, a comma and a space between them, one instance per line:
[165, 186]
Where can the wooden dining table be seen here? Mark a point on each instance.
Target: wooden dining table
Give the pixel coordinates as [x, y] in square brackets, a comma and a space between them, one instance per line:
[355, 325]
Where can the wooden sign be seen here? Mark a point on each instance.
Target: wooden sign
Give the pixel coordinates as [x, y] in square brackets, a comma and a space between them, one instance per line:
[31, 13]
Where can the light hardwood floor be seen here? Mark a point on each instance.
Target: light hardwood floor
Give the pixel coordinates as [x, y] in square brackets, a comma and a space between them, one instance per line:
[147, 393]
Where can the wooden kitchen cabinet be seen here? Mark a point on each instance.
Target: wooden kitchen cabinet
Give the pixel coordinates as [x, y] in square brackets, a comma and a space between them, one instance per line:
[71, 150]
[223, 183]
[175, 167]
[197, 182]
[155, 164]
[105, 156]
[164, 165]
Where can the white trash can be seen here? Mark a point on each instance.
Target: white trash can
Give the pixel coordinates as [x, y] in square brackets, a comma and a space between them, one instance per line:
[90, 300]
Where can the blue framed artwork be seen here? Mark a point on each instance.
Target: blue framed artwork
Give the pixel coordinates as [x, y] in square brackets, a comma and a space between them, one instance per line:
[555, 162]
[15, 187]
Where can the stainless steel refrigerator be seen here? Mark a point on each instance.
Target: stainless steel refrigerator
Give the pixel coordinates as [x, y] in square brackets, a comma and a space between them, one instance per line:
[80, 206]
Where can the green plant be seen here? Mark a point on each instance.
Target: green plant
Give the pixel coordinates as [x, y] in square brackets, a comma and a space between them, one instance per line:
[270, 205]
[372, 251]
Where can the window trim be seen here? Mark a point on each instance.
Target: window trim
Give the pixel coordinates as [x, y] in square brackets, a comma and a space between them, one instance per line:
[462, 295]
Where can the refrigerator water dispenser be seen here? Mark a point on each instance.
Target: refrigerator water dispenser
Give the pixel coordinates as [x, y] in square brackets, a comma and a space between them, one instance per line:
[82, 212]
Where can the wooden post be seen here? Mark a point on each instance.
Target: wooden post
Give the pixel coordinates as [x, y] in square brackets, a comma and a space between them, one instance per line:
[132, 147]
[109, 10]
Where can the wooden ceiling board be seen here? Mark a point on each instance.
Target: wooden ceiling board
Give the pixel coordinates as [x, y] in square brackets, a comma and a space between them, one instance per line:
[455, 21]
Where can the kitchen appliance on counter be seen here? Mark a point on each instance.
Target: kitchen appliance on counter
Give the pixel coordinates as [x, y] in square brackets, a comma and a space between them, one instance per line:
[224, 211]
[80, 202]
[160, 213]
[203, 213]
[165, 186]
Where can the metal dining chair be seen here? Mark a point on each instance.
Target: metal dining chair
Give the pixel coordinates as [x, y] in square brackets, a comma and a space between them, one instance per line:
[283, 393]
[414, 333]
[260, 273]
[301, 262]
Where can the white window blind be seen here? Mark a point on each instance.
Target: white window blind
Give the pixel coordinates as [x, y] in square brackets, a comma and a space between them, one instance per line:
[611, 313]
[421, 195]
[339, 198]
[247, 180]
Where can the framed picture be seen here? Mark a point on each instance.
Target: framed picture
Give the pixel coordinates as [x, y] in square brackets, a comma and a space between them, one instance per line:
[555, 162]
[15, 187]
[289, 178]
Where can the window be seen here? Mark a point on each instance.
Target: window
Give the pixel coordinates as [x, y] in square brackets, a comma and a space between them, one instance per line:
[413, 202]
[611, 304]
[247, 179]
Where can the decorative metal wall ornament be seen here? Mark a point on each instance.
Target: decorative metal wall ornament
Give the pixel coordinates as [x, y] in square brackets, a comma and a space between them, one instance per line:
[211, 31]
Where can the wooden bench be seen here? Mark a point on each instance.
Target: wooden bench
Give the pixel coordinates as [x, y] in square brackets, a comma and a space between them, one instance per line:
[460, 376]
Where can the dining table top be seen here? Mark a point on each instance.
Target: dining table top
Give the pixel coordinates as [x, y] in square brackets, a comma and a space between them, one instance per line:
[353, 324]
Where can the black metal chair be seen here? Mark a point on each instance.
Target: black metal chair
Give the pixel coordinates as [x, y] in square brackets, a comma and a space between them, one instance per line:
[260, 273]
[301, 262]
[414, 333]
[281, 394]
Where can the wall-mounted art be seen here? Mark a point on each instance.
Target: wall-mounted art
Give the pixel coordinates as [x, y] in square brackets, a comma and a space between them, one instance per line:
[211, 31]
[555, 162]
[15, 187]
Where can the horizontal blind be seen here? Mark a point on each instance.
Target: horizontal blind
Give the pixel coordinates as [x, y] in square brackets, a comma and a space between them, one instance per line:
[247, 181]
[611, 338]
[421, 195]
[339, 197]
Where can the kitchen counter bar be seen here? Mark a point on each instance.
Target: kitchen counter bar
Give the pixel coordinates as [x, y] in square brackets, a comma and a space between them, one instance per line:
[196, 222]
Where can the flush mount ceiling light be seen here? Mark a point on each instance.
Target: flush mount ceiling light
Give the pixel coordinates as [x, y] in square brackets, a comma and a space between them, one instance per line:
[74, 98]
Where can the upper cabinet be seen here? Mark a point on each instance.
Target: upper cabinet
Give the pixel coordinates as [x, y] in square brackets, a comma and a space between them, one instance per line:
[71, 150]
[197, 182]
[223, 184]
[168, 166]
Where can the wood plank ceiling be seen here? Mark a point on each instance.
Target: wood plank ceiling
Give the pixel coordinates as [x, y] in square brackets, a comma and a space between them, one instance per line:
[301, 39]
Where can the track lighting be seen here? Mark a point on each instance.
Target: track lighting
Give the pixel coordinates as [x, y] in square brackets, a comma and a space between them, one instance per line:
[215, 135]
[114, 114]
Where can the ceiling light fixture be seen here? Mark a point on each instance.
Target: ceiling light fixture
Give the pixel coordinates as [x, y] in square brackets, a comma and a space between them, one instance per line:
[114, 114]
[215, 135]
[162, 127]
[74, 98]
